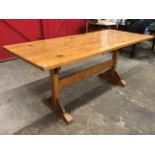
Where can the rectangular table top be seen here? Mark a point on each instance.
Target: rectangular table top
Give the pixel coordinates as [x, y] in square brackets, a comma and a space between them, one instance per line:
[53, 53]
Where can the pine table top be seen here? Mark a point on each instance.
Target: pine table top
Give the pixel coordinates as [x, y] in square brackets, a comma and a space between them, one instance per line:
[53, 53]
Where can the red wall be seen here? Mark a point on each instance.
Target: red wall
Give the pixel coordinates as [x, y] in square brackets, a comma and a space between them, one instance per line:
[22, 30]
[63, 27]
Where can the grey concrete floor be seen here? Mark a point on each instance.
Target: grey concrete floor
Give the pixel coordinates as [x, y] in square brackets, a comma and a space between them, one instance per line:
[97, 106]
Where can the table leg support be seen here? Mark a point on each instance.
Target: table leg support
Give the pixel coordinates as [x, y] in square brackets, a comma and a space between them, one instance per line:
[56, 89]
[111, 74]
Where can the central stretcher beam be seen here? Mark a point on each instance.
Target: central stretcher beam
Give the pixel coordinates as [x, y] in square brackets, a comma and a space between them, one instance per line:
[75, 77]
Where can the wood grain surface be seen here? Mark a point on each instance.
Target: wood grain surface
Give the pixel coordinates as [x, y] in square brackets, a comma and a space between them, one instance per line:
[54, 53]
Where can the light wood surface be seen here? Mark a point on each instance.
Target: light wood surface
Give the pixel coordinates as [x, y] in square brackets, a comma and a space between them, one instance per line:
[56, 91]
[75, 77]
[53, 53]
[112, 75]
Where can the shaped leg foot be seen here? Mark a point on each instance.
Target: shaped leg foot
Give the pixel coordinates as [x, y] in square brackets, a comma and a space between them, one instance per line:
[113, 77]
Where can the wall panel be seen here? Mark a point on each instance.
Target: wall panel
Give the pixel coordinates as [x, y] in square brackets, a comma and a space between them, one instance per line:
[21, 30]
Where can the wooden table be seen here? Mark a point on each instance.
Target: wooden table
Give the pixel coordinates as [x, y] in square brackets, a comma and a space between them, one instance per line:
[52, 54]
